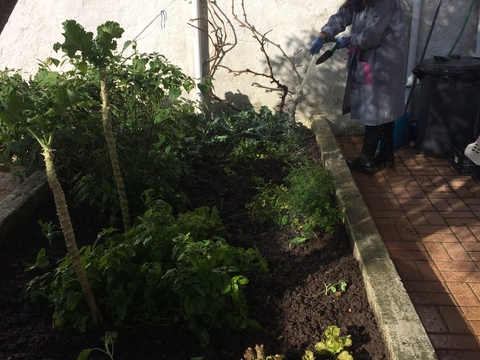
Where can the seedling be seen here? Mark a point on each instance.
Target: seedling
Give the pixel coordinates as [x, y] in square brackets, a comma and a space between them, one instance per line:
[332, 346]
[333, 288]
[108, 340]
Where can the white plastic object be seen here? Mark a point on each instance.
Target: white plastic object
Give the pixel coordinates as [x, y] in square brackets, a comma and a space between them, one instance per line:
[472, 151]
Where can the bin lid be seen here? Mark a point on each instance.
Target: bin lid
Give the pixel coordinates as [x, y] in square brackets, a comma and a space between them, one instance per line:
[465, 67]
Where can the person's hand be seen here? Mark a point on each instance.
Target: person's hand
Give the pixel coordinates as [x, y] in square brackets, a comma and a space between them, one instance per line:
[343, 42]
[317, 45]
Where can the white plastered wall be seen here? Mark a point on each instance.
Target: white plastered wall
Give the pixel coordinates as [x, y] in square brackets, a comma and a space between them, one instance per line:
[290, 27]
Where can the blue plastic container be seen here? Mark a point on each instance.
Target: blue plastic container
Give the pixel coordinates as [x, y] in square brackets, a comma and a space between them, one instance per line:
[400, 129]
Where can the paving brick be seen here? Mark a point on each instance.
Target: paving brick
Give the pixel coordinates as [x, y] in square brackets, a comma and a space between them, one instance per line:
[409, 255]
[442, 195]
[459, 266]
[457, 214]
[454, 342]
[389, 233]
[463, 294]
[400, 192]
[472, 313]
[463, 222]
[476, 328]
[457, 251]
[461, 276]
[408, 233]
[461, 181]
[391, 221]
[472, 246]
[439, 238]
[434, 218]
[401, 180]
[476, 289]
[458, 204]
[428, 270]
[435, 286]
[441, 204]
[415, 191]
[457, 355]
[424, 181]
[407, 269]
[463, 192]
[437, 251]
[415, 207]
[454, 319]
[405, 246]
[438, 180]
[392, 204]
[421, 298]
[388, 214]
[417, 218]
[475, 255]
[375, 204]
[464, 234]
[431, 318]
[429, 229]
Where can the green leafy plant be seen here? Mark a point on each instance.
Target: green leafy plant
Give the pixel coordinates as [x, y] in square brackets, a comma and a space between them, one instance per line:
[98, 52]
[108, 342]
[49, 230]
[249, 134]
[306, 202]
[342, 286]
[164, 269]
[332, 346]
[26, 111]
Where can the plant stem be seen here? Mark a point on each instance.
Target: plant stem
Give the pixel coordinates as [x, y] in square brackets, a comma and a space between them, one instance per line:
[112, 148]
[67, 229]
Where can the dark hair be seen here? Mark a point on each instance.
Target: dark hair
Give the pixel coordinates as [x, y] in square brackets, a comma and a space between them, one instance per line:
[365, 3]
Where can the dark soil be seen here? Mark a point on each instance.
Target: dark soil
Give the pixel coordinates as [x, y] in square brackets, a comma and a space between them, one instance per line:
[289, 301]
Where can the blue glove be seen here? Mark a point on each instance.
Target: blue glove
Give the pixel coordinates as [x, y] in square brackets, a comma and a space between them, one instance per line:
[317, 45]
[343, 42]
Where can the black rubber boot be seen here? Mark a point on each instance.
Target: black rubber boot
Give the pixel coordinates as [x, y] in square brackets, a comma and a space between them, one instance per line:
[386, 156]
[364, 163]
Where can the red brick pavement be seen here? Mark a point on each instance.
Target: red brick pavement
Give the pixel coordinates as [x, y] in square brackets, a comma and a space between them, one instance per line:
[429, 218]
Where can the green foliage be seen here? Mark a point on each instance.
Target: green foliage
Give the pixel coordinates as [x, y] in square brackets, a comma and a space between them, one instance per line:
[332, 346]
[108, 342]
[306, 201]
[249, 134]
[342, 285]
[164, 269]
[156, 130]
[49, 230]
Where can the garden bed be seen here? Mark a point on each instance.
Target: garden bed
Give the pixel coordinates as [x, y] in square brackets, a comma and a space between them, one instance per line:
[291, 301]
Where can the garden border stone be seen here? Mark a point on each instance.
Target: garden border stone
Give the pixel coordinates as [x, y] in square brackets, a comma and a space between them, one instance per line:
[18, 206]
[403, 332]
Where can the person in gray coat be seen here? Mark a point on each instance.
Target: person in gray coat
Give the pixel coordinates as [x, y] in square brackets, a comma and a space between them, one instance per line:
[376, 64]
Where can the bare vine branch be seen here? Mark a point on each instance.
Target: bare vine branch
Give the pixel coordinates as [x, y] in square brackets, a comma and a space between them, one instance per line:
[218, 38]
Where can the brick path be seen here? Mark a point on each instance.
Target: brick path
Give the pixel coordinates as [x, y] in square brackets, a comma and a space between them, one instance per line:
[429, 218]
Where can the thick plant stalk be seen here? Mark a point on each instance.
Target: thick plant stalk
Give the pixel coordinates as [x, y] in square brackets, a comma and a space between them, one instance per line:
[67, 230]
[112, 148]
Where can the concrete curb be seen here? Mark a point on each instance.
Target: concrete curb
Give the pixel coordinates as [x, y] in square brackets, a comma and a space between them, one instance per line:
[17, 207]
[399, 323]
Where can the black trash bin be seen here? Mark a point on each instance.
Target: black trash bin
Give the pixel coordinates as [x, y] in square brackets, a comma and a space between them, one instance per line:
[449, 104]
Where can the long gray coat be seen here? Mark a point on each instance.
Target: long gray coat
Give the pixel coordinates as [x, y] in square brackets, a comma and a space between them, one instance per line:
[376, 76]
